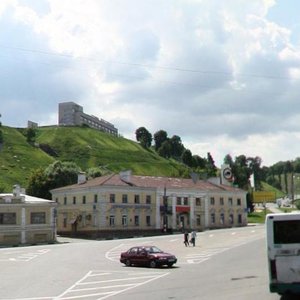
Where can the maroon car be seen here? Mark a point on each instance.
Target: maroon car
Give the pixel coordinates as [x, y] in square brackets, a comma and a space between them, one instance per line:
[147, 256]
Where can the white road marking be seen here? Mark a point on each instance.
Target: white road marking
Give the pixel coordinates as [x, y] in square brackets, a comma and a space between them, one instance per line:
[23, 255]
[112, 285]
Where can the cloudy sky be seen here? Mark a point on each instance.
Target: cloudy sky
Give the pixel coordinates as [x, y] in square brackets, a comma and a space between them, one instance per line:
[223, 75]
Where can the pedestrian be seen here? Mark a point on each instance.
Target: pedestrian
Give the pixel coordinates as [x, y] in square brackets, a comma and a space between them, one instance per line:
[186, 238]
[193, 238]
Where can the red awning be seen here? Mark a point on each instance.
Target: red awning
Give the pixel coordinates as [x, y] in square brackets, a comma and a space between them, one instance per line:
[183, 209]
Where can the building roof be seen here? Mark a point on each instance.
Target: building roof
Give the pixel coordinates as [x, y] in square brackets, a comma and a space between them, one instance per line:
[149, 182]
[26, 199]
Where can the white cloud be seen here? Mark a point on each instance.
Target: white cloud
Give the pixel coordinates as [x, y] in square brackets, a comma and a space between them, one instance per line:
[219, 74]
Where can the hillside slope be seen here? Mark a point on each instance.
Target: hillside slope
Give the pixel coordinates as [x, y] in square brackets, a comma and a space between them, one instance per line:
[18, 159]
[85, 146]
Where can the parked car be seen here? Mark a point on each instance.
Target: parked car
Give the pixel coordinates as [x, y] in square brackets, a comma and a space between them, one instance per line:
[147, 256]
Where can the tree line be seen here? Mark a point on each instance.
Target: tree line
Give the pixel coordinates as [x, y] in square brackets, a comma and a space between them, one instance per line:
[242, 167]
[173, 148]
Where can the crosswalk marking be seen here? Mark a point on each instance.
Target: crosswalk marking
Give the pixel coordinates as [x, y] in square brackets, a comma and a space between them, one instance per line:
[110, 284]
[23, 255]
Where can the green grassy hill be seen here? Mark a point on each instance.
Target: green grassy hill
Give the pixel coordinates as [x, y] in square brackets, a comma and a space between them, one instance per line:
[18, 159]
[84, 146]
[268, 188]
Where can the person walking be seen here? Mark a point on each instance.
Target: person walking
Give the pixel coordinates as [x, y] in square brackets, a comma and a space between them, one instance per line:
[186, 238]
[193, 238]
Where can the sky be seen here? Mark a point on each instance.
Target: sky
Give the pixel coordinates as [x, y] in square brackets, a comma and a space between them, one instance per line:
[222, 75]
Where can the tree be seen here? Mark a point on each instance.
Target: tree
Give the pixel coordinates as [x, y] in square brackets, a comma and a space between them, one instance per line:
[160, 137]
[176, 146]
[94, 172]
[228, 160]
[199, 162]
[30, 135]
[55, 175]
[165, 150]
[187, 157]
[144, 137]
[254, 164]
[241, 172]
[210, 166]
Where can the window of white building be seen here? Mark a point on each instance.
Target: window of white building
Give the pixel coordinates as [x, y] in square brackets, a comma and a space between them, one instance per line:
[124, 220]
[38, 218]
[112, 221]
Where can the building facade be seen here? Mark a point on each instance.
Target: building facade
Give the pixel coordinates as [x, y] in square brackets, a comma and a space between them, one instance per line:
[122, 202]
[26, 220]
[71, 114]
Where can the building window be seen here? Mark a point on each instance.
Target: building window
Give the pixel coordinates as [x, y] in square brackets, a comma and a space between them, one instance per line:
[65, 200]
[212, 218]
[38, 218]
[95, 198]
[112, 221]
[74, 200]
[178, 201]
[124, 220]
[238, 201]
[212, 201]
[136, 199]
[231, 219]
[65, 222]
[8, 218]
[240, 219]
[124, 198]
[230, 201]
[56, 200]
[198, 202]
[221, 201]
[185, 200]
[112, 198]
[83, 199]
[148, 220]
[222, 219]
[198, 220]
[148, 199]
[136, 220]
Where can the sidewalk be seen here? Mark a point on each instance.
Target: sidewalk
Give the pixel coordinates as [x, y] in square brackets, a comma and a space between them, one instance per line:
[273, 209]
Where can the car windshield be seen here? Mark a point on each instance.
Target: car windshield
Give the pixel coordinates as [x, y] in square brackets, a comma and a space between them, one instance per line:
[153, 250]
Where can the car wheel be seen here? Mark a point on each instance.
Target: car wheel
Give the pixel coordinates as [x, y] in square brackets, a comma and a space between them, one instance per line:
[127, 263]
[170, 265]
[152, 264]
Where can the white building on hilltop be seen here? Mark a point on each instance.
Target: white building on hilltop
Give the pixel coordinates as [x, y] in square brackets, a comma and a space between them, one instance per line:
[71, 114]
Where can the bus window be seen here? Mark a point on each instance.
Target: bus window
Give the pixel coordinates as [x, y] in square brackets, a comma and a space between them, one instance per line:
[283, 245]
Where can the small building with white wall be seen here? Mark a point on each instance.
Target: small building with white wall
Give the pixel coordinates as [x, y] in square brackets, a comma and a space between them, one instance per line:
[26, 220]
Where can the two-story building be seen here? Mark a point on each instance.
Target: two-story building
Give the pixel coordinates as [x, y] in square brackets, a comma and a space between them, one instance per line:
[122, 203]
[26, 220]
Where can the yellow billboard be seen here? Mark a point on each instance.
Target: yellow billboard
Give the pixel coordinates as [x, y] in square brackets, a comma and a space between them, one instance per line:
[262, 196]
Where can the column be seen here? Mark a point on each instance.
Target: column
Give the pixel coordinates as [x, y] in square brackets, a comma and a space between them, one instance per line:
[174, 217]
[157, 216]
[192, 212]
[206, 212]
[23, 225]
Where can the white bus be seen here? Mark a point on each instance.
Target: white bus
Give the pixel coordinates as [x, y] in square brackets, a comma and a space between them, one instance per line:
[283, 242]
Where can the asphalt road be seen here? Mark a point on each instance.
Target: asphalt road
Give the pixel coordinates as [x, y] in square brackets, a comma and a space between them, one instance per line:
[225, 264]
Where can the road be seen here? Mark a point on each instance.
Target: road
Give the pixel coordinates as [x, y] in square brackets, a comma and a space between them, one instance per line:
[225, 264]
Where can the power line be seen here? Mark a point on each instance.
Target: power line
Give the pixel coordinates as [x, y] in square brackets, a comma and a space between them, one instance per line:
[178, 69]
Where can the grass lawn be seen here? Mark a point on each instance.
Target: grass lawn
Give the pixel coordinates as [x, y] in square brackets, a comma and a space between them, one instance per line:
[258, 216]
